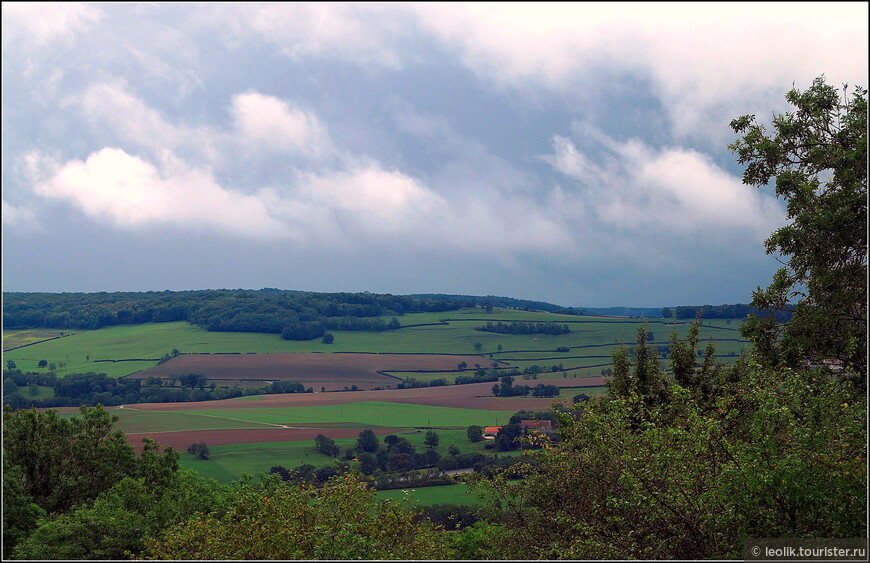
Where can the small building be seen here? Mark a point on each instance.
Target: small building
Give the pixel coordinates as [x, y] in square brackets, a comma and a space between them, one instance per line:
[489, 432]
[538, 425]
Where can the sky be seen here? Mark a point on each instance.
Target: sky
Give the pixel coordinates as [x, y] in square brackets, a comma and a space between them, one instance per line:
[574, 153]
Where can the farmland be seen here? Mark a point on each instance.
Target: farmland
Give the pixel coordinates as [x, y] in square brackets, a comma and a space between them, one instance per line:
[127, 349]
[329, 372]
[250, 434]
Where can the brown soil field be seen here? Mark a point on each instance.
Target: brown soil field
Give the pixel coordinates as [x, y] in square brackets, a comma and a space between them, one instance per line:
[330, 371]
[471, 396]
[182, 439]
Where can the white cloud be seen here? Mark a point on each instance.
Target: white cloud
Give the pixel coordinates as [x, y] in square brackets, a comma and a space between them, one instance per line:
[39, 23]
[20, 217]
[630, 187]
[266, 122]
[115, 114]
[364, 34]
[707, 62]
[130, 192]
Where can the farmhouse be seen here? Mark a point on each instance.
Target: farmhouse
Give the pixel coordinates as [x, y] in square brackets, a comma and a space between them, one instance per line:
[527, 425]
[489, 432]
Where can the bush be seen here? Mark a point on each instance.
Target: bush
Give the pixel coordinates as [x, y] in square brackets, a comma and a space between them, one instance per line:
[199, 450]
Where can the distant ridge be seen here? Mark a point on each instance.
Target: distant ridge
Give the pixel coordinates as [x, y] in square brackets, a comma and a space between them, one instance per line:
[504, 302]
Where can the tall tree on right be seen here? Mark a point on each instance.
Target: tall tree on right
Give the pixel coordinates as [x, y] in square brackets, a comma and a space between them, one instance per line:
[817, 155]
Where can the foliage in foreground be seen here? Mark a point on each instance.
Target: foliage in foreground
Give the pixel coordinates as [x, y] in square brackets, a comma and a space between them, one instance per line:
[690, 468]
[816, 157]
[270, 520]
[776, 454]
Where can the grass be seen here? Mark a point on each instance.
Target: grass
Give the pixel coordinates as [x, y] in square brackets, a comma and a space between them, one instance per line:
[427, 496]
[228, 463]
[134, 421]
[17, 338]
[373, 413]
[151, 341]
[589, 343]
[349, 415]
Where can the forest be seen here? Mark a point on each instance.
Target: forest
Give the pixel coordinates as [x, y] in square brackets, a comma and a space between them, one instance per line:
[265, 310]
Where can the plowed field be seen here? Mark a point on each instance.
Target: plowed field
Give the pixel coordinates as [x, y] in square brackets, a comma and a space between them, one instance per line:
[471, 396]
[329, 371]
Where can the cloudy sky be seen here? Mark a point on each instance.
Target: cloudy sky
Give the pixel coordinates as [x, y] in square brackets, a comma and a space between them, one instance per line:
[569, 152]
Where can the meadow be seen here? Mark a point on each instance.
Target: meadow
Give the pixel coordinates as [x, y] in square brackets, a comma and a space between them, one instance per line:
[249, 435]
[126, 349]
[427, 496]
[229, 462]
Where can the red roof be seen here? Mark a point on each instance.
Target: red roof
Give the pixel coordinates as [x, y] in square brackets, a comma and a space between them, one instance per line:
[491, 429]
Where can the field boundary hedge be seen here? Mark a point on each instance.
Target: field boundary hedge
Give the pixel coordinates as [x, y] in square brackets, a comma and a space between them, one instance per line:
[131, 360]
[37, 342]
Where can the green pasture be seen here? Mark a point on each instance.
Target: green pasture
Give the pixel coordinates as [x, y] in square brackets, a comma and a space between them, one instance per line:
[374, 413]
[132, 420]
[228, 463]
[25, 337]
[77, 352]
[592, 392]
[427, 496]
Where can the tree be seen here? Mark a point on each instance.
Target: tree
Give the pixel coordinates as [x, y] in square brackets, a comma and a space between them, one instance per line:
[367, 441]
[817, 155]
[269, 520]
[121, 520]
[507, 437]
[73, 460]
[10, 364]
[475, 433]
[667, 313]
[42, 363]
[326, 446]
[368, 464]
[328, 338]
[690, 482]
[20, 514]
[200, 450]
[431, 439]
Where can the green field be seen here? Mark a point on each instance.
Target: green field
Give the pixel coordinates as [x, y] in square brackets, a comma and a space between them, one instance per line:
[228, 463]
[134, 421]
[26, 337]
[589, 352]
[370, 413]
[590, 342]
[426, 496]
[348, 415]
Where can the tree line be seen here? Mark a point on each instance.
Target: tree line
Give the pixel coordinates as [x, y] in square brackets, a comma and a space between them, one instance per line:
[91, 389]
[736, 311]
[265, 310]
[525, 328]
